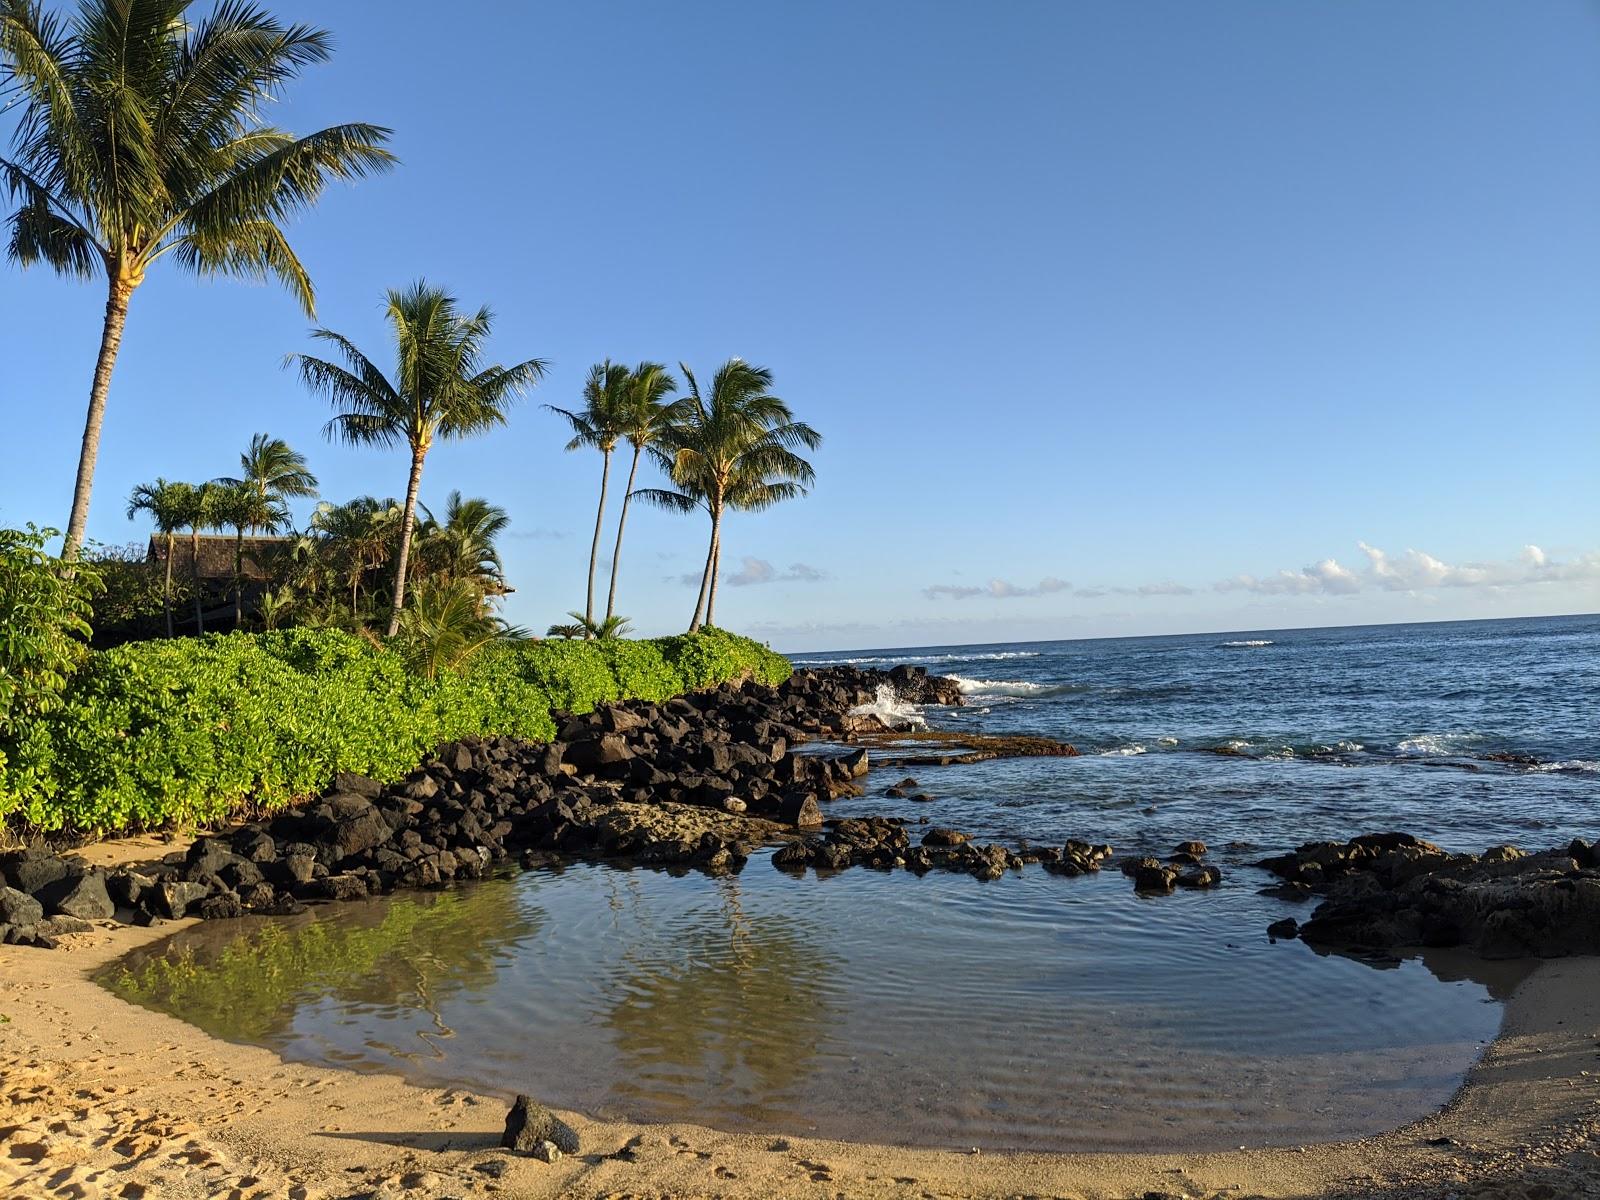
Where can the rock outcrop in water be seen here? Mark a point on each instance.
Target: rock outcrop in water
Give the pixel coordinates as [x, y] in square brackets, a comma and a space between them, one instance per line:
[1389, 891]
[693, 783]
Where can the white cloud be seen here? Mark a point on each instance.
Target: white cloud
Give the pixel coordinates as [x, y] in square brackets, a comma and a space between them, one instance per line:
[1000, 589]
[1416, 571]
[753, 571]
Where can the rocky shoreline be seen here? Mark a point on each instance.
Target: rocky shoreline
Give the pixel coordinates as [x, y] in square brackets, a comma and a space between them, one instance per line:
[699, 782]
[693, 783]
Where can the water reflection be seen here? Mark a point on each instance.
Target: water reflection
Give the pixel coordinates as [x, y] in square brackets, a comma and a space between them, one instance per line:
[1033, 1013]
[740, 1007]
[245, 980]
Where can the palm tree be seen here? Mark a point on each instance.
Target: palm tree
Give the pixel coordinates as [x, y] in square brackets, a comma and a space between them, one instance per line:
[732, 448]
[440, 390]
[445, 626]
[199, 512]
[276, 473]
[360, 533]
[140, 135]
[463, 546]
[599, 425]
[239, 506]
[581, 627]
[645, 421]
[168, 504]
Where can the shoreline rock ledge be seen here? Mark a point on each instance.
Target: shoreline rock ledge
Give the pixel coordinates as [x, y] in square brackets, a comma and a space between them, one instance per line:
[1389, 891]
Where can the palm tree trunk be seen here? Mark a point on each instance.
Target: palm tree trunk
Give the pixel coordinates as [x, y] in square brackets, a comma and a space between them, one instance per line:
[407, 521]
[616, 553]
[166, 586]
[705, 579]
[594, 547]
[119, 292]
[194, 571]
[716, 570]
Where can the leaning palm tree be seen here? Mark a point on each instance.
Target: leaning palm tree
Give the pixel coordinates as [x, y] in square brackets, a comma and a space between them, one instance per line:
[732, 447]
[140, 135]
[646, 418]
[440, 390]
[168, 504]
[599, 425]
[274, 472]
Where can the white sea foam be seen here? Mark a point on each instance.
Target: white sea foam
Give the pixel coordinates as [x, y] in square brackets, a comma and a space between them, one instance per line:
[891, 710]
[1166, 741]
[1248, 642]
[1123, 751]
[1572, 766]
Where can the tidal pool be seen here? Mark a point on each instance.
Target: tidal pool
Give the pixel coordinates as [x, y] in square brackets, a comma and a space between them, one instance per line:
[1034, 1012]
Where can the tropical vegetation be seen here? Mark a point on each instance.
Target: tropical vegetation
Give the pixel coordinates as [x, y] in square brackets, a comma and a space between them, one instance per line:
[195, 730]
[732, 447]
[441, 390]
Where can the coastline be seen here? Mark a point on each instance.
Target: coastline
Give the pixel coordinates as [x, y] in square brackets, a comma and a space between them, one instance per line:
[99, 1093]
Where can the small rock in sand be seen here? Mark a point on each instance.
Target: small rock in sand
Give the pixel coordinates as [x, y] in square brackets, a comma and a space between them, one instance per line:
[529, 1123]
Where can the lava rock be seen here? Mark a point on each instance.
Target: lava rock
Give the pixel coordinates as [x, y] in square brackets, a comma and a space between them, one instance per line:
[530, 1123]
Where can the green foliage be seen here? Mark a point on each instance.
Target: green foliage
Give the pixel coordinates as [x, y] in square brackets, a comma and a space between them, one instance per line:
[130, 601]
[189, 731]
[43, 625]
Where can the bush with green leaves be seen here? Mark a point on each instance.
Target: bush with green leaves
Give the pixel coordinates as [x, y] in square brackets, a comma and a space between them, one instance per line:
[197, 730]
[44, 627]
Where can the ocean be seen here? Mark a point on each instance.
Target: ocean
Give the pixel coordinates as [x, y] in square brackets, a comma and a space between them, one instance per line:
[1467, 733]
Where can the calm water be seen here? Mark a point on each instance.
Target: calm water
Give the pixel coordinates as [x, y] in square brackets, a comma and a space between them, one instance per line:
[1033, 1012]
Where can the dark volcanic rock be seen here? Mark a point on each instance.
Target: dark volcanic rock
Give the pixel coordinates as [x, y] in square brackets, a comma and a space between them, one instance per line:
[529, 1123]
[82, 895]
[18, 908]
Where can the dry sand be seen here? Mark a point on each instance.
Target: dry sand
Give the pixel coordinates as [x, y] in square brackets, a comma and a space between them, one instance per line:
[102, 1098]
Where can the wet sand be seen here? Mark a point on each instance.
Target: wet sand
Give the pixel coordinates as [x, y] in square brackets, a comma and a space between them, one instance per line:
[102, 1098]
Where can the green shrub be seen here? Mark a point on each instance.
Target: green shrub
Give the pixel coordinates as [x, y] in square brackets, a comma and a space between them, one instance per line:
[43, 624]
[187, 731]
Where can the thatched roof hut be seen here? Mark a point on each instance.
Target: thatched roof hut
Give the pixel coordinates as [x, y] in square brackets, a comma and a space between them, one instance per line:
[215, 554]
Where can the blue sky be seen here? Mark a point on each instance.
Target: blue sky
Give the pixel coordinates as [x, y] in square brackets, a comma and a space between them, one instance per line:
[1117, 318]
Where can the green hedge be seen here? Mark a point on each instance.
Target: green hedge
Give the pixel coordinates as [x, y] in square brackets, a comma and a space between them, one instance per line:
[190, 731]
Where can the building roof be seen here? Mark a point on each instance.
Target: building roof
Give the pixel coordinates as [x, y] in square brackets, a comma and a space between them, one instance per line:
[216, 554]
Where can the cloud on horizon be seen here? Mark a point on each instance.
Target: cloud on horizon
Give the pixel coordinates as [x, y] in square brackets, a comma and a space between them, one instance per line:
[1000, 589]
[1412, 571]
[1415, 571]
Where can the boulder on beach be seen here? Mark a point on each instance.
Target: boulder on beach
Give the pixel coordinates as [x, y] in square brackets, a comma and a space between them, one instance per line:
[530, 1123]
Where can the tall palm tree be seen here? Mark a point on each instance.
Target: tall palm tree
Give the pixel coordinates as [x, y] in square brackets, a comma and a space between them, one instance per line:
[168, 504]
[732, 447]
[140, 134]
[274, 472]
[646, 418]
[239, 506]
[599, 425]
[440, 390]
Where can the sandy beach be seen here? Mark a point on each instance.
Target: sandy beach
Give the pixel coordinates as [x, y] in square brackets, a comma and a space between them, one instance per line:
[102, 1098]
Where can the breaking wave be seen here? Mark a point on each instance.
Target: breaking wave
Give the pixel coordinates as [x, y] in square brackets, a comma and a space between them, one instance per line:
[1014, 687]
[891, 710]
[1246, 642]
